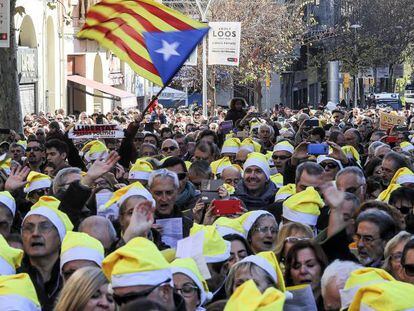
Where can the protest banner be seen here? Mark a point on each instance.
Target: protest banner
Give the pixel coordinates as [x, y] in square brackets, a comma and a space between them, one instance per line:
[389, 120]
[96, 131]
[224, 43]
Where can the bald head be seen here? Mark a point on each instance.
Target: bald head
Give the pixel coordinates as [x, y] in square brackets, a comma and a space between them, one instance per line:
[100, 228]
[231, 176]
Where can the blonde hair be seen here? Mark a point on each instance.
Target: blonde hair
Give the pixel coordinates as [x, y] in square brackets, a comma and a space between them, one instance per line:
[402, 236]
[80, 288]
[286, 231]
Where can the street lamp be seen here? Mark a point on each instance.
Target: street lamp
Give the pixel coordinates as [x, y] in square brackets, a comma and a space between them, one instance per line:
[355, 27]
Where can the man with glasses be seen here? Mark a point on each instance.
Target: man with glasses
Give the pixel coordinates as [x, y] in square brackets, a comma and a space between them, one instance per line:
[351, 179]
[139, 271]
[231, 175]
[374, 228]
[282, 152]
[41, 135]
[43, 230]
[35, 154]
[188, 195]
[170, 148]
[391, 163]
[330, 166]
[407, 263]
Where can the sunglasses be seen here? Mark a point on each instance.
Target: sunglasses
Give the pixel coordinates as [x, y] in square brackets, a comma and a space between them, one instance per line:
[329, 166]
[405, 210]
[409, 269]
[124, 299]
[171, 148]
[275, 157]
[35, 149]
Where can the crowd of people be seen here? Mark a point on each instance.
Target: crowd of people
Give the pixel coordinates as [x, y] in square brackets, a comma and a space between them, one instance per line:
[307, 209]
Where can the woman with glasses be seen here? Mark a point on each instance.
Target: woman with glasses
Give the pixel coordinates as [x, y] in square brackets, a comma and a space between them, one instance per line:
[393, 253]
[288, 235]
[305, 264]
[88, 290]
[262, 234]
[189, 283]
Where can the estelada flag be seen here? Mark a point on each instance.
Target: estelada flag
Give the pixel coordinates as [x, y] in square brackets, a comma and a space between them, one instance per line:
[153, 39]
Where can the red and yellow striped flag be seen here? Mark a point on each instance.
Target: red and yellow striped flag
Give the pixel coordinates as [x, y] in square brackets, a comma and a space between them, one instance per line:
[152, 38]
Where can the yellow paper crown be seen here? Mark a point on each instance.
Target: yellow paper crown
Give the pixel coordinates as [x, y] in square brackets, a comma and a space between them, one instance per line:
[303, 207]
[225, 226]
[393, 295]
[250, 144]
[48, 207]
[385, 195]
[81, 246]
[285, 192]
[124, 193]
[139, 262]
[17, 292]
[10, 257]
[7, 199]
[247, 297]
[219, 165]
[406, 146]
[277, 179]
[140, 170]
[94, 150]
[248, 219]
[231, 145]
[259, 160]
[215, 248]
[351, 153]
[268, 262]
[22, 143]
[189, 267]
[402, 176]
[284, 146]
[5, 165]
[37, 181]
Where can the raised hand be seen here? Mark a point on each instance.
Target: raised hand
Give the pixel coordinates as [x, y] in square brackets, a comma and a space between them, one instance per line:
[141, 221]
[17, 178]
[337, 152]
[100, 167]
[300, 153]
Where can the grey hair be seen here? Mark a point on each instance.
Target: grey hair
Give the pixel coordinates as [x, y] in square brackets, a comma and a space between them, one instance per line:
[352, 170]
[311, 168]
[59, 180]
[402, 236]
[338, 271]
[163, 173]
[173, 141]
[374, 145]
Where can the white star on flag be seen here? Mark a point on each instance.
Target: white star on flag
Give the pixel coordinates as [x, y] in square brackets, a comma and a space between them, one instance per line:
[168, 50]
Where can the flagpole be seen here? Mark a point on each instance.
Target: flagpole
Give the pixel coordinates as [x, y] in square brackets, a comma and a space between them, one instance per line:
[153, 99]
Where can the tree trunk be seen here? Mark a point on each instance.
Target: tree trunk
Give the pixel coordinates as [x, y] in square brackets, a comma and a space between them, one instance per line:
[10, 109]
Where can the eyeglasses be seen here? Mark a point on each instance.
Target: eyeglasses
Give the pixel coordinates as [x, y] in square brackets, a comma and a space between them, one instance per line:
[396, 256]
[294, 239]
[120, 300]
[181, 176]
[329, 166]
[366, 239]
[187, 290]
[409, 269]
[275, 157]
[170, 148]
[405, 210]
[35, 149]
[273, 230]
[42, 228]
[353, 189]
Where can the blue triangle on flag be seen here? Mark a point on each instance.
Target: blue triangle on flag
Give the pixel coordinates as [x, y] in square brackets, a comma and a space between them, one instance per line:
[169, 50]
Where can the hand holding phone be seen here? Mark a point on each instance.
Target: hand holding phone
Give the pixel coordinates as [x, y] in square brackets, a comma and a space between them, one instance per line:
[227, 207]
[318, 149]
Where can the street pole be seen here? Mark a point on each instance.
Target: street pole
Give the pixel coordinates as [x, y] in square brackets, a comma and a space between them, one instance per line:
[355, 27]
[203, 14]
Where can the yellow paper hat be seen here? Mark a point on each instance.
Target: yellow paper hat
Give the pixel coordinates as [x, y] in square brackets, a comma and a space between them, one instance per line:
[351, 153]
[94, 150]
[230, 189]
[259, 160]
[219, 165]
[189, 267]
[277, 179]
[268, 262]
[402, 176]
[5, 165]
[22, 143]
[385, 195]
[7, 199]
[359, 278]
[393, 295]
[140, 170]
[248, 219]
[225, 226]
[285, 192]
[124, 193]
[250, 144]
[231, 145]
[188, 164]
[215, 248]
[406, 146]
[247, 297]
[37, 181]
[284, 146]
[303, 207]
[10, 257]
[81, 246]
[323, 158]
[17, 292]
[139, 262]
[48, 207]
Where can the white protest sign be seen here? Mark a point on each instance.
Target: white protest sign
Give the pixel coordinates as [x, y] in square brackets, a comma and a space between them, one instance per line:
[172, 230]
[112, 212]
[224, 43]
[96, 131]
[4, 23]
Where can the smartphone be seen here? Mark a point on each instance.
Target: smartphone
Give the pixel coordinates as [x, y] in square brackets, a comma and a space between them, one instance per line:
[391, 139]
[209, 196]
[226, 126]
[318, 149]
[211, 184]
[312, 123]
[227, 207]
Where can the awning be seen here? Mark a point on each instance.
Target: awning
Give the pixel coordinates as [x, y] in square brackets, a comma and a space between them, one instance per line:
[127, 99]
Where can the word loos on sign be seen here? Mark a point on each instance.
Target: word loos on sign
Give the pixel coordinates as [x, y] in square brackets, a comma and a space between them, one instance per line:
[224, 33]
